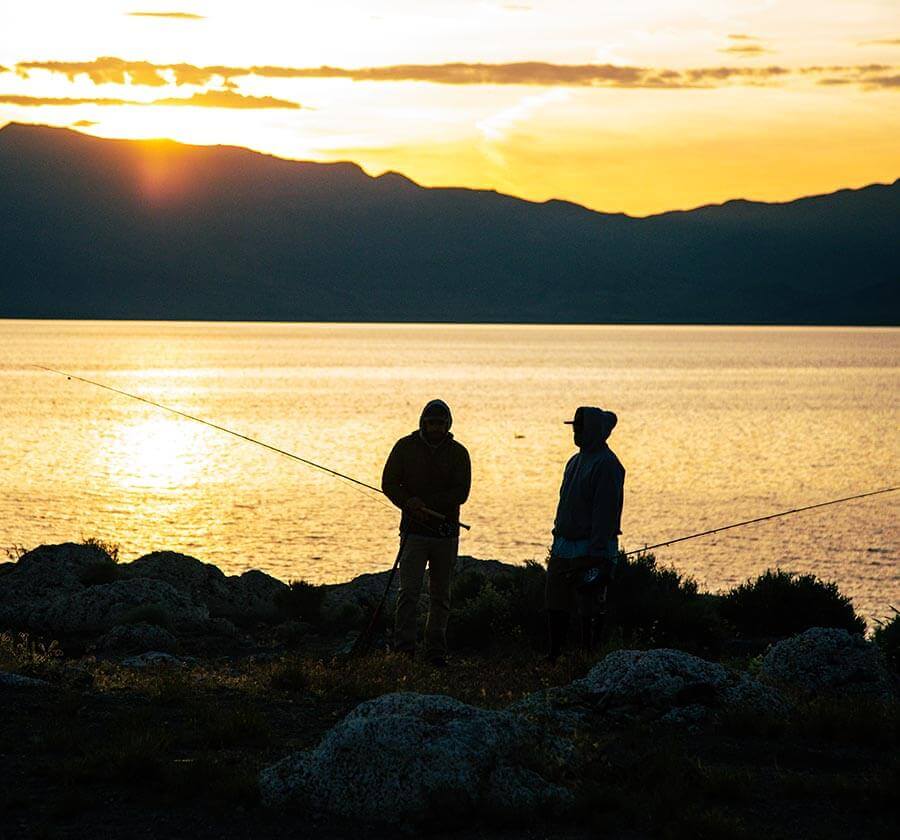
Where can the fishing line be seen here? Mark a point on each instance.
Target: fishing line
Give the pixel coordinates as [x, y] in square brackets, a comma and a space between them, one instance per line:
[356, 484]
[761, 519]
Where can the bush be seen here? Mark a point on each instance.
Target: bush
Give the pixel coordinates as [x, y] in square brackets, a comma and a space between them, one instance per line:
[782, 604]
[110, 549]
[658, 607]
[501, 608]
[887, 637]
[301, 600]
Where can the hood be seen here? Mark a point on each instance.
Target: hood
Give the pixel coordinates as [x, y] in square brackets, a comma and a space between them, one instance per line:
[596, 425]
[435, 408]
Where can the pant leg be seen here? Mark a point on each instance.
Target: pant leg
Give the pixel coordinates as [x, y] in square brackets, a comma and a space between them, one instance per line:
[560, 590]
[441, 561]
[412, 569]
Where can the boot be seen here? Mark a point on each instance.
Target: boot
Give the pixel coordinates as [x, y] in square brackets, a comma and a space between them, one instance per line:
[558, 628]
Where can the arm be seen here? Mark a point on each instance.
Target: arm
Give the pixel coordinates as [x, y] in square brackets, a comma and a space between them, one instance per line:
[392, 478]
[607, 505]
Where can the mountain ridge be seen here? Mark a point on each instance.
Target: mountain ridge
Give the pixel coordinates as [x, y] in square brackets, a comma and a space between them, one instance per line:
[157, 229]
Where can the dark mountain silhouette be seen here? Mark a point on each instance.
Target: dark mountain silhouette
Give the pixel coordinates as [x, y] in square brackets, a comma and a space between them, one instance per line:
[93, 228]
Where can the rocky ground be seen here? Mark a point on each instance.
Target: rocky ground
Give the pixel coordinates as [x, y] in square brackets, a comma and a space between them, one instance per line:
[161, 698]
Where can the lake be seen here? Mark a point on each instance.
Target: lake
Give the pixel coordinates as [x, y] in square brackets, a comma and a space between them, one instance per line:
[716, 425]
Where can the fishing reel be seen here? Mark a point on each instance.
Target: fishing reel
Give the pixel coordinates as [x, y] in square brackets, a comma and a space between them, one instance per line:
[445, 529]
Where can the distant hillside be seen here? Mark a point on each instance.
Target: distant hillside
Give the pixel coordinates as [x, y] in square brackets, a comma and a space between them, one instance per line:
[93, 228]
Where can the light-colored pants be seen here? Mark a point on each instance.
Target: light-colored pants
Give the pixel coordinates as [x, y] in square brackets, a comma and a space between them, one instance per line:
[439, 555]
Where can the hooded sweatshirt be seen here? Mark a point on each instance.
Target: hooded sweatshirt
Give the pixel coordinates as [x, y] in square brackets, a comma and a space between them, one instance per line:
[591, 495]
[440, 475]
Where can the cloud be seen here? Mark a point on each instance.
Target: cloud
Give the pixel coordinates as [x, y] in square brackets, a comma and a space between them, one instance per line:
[742, 37]
[171, 15]
[101, 70]
[530, 73]
[746, 50]
[889, 42]
[84, 124]
[206, 99]
[28, 101]
[227, 99]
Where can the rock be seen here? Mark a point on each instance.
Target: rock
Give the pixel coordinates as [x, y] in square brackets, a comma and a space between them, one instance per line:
[407, 758]
[252, 598]
[44, 575]
[242, 598]
[8, 680]
[366, 590]
[137, 638]
[665, 685]
[98, 608]
[153, 658]
[828, 661]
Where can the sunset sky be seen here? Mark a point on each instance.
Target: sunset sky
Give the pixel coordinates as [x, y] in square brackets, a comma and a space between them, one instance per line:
[638, 106]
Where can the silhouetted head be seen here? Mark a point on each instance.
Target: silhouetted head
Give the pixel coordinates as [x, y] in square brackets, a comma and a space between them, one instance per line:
[592, 426]
[435, 421]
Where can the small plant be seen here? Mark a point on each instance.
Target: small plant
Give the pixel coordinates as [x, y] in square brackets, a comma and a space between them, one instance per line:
[301, 600]
[21, 651]
[887, 637]
[780, 604]
[110, 549]
[14, 552]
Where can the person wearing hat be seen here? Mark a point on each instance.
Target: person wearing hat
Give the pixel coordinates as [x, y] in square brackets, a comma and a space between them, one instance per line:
[586, 529]
[427, 473]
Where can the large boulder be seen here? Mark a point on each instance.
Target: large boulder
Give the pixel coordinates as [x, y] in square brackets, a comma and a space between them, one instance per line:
[137, 638]
[241, 598]
[409, 758]
[96, 609]
[828, 661]
[44, 575]
[662, 684]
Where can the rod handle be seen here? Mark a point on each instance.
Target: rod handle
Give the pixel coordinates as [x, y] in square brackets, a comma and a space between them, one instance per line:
[443, 518]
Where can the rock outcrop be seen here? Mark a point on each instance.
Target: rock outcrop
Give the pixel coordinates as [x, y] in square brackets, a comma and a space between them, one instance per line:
[137, 638]
[42, 576]
[409, 758]
[828, 661]
[657, 685]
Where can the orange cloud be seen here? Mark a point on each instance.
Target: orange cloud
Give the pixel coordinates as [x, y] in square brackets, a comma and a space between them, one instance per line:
[227, 99]
[171, 15]
[206, 99]
[534, 73]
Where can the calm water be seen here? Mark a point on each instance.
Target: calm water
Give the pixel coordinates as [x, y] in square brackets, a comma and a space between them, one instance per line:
[715, 425]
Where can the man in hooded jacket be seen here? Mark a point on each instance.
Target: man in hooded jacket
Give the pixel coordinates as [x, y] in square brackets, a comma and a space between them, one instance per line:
[427, 470]
[585, 532]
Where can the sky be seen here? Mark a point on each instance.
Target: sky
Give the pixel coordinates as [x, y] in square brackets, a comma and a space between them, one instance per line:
[639, 107]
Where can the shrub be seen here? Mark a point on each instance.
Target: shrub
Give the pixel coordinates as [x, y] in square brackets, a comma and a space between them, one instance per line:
[111, 549]
[657, 606]
[301, 600]
[782, 604]
[887, 637]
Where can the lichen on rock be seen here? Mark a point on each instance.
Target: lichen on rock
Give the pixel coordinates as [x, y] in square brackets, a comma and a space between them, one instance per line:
[406, 758]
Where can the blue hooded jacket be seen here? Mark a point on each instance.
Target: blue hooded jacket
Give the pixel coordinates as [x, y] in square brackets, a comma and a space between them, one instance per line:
[591, 495]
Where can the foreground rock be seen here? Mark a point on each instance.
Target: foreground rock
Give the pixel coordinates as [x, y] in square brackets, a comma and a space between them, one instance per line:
[827, 661]
[410, 758]
[657, 685]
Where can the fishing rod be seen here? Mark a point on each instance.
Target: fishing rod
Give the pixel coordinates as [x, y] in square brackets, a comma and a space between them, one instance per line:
[760, 519]
[269, 446]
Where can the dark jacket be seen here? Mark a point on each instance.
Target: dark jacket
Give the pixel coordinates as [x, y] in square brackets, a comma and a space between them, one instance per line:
[591, 495]
[439, 475]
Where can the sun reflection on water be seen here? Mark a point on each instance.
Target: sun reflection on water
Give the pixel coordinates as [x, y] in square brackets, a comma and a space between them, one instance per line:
[153, 454]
